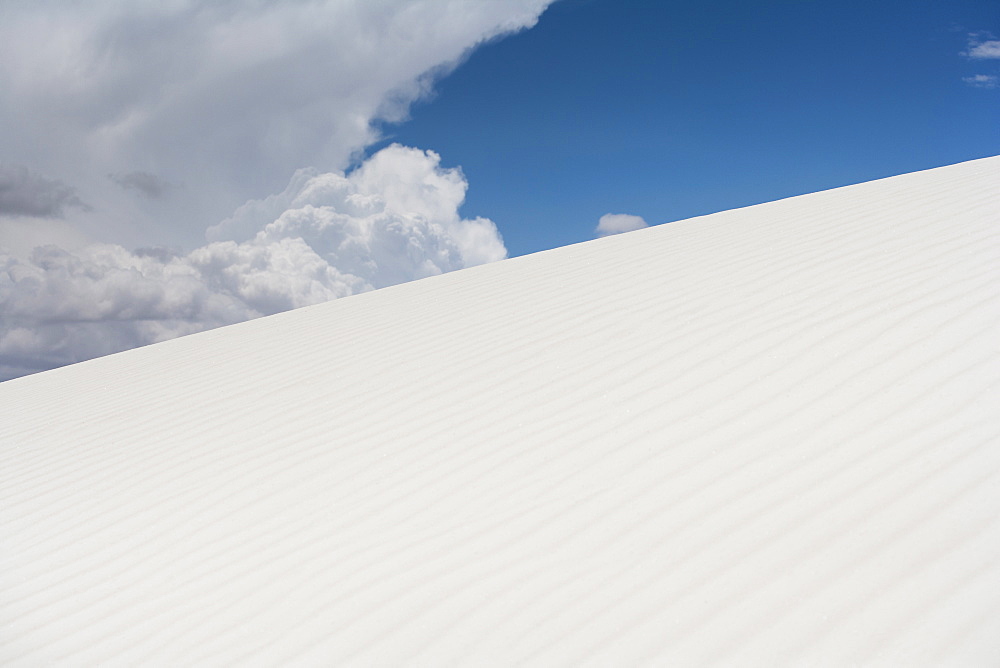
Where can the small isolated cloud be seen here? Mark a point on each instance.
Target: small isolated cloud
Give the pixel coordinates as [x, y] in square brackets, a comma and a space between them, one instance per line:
[982, 48]
[24, 192]
[327, 235]
[616, 223]
[144, 183]
[983, 81]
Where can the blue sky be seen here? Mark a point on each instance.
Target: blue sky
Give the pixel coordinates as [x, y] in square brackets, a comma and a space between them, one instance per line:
[669, 110]
[167, 168]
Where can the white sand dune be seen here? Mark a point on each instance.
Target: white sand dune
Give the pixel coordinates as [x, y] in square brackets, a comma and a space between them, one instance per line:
[765, 436]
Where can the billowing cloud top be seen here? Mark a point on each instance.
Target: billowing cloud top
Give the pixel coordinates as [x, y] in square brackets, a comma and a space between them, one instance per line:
[326, 236]
[143, 124]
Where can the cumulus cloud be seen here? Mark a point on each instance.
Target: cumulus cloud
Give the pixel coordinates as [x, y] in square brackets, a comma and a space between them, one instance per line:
[327, 235]
[128, 100]
[616, 223]
[24, 192]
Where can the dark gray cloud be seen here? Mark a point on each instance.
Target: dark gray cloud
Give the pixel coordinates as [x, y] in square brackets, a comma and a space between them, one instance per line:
[144, 183]
[24, 192]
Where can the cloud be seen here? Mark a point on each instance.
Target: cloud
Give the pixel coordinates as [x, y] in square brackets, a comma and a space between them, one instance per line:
[146, 184]
[327, 235]
[27, 193]
[616, 223]
[982, 48]
[229, 98]
[128, 100]
[982, 81]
